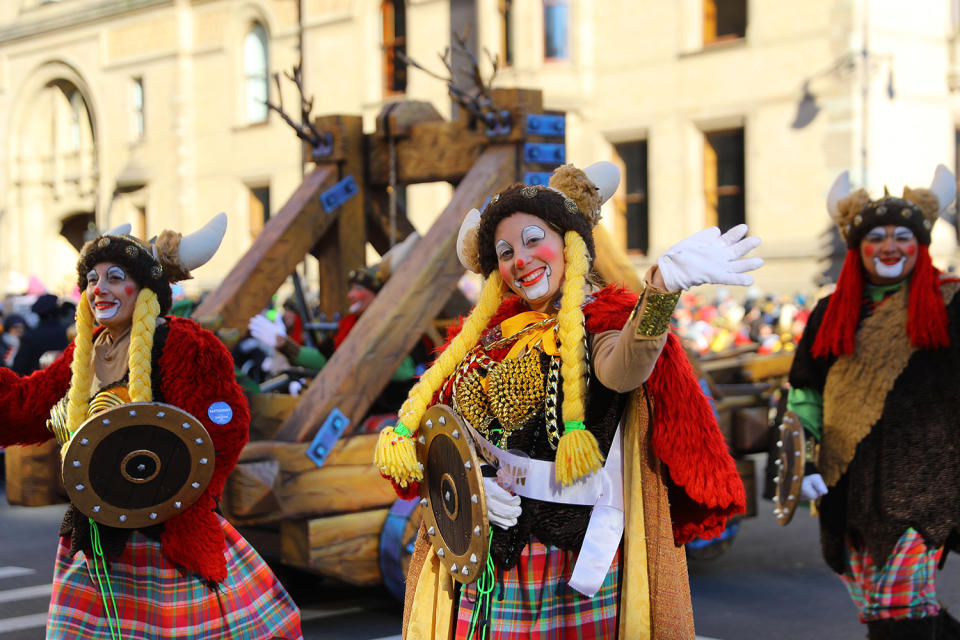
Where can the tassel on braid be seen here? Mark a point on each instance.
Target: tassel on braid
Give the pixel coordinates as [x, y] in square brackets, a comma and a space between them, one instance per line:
[395, 455]
[141, 345]
[78, 397]
[578, 453]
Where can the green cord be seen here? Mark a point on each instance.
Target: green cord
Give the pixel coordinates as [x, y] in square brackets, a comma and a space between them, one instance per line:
[573, 425]
[401, 429]
[98, 557]
[485, 584]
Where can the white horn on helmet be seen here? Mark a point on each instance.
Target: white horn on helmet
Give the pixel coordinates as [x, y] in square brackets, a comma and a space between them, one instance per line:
[198, 247]
[120, 230]
[839, 191]
[944, 186]
[605, 176]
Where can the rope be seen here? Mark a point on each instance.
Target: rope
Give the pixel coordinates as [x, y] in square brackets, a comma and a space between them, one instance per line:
[480, 617]
[98, 557]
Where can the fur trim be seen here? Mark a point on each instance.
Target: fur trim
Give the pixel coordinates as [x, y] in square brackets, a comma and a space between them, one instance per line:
[858, 383]
[167, 250]
[25, 402]
[574, 183]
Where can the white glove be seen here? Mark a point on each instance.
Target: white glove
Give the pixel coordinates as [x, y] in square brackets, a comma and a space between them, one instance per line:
[812, 487]
[267, 331]
[503, 508]
[707, 257]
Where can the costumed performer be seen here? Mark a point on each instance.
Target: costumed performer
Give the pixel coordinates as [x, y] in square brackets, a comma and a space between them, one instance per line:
[554, 366]
[193, 576]
[874, 383]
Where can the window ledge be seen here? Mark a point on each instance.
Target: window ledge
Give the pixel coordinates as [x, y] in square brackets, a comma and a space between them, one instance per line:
[713, 47]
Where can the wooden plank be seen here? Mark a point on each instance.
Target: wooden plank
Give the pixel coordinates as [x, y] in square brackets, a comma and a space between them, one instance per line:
[344, 546]
[343, 247]
[406, 306]
[272, 257]
[249, 491]
[33, 475]
[267, 413]
[293, 455]
[378, 220]
[433, 152]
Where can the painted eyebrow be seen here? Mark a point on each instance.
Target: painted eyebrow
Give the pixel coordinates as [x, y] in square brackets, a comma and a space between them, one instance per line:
[532, 232]
[117, 272]
[502, 246]
[91, 274]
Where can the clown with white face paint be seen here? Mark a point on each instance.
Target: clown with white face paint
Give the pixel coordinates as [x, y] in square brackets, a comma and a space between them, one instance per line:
[551, 368]
[112, 295]
[873, 382]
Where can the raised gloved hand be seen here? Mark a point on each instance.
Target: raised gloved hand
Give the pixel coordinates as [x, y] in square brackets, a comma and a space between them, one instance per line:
[267, 331]
[812, 487]
[503, 508]
[707, 257]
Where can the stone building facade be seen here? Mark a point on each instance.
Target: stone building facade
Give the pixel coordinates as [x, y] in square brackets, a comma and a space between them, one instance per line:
[150, 111]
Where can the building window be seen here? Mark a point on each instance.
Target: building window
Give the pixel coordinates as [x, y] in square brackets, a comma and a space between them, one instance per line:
[255, 65]
[724, 20]
[139, 222]
[77, 111]
[259, 206]
[723, 178]
[556, 31]
[393, 23]
[137, 122]
[633, 155]
[506, 45]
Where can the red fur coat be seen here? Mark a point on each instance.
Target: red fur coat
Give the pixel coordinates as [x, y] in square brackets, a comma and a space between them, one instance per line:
[196, 370]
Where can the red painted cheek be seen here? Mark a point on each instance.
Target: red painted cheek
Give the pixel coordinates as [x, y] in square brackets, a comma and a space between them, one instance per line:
[128, 290]
[868, 251]
[546, 254]
[505, 273]
[911, 250]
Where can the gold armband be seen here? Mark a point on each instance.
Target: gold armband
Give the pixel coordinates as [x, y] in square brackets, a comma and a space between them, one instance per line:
[655, 309]
[57, 422]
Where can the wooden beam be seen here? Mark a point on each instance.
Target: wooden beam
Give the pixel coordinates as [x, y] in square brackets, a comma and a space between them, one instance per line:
[378, 220]
[345, 546]
[272, 257]
[343, 247]
[433, 152]
[406, 306]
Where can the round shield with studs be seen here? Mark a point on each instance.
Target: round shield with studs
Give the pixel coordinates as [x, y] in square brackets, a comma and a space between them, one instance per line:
[790, 464]
[137, 464]
[451, 494]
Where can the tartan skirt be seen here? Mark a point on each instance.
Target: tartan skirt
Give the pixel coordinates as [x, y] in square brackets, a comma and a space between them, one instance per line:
[905, 587]
[532, 600]
[154, 599]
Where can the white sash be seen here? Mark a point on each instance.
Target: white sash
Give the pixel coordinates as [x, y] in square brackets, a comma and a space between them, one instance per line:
[536, 479]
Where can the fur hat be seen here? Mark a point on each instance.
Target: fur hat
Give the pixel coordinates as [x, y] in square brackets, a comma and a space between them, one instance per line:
[856, 214]
[166, 259]
[570, 203]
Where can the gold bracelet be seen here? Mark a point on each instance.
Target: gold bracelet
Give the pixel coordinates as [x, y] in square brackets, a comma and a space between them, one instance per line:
[657, 309]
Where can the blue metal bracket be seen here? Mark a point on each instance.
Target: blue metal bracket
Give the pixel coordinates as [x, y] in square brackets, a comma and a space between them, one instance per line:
[322, 146]
[541, 124]
[327, 436]
[544, 153]
[339, 193]
[536, 178]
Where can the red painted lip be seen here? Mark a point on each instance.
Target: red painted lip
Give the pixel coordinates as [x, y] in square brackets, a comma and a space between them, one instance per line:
[530, 283]
[890, 261]
[103, 304]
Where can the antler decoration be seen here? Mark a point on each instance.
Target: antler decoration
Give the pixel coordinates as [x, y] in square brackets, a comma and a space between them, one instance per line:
[477, 100]
[319, 142]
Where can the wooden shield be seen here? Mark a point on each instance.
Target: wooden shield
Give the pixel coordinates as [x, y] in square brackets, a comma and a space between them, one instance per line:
[790, 464]
[137, 464]
[451, 494]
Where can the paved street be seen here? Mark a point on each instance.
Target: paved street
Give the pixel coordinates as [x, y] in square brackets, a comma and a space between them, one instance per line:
[770, 584]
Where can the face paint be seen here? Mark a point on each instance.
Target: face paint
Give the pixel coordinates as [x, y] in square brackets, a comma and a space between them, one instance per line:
[112, 295]
[530, 256]
[360, 298]
[888, 254]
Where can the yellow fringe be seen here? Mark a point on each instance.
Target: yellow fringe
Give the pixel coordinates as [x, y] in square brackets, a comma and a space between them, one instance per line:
[396, 456]
[578, 455]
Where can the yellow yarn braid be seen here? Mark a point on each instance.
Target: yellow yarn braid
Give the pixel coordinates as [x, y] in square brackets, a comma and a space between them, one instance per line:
[577, 451]
[81, 369]
[395, 455]
[141, 345]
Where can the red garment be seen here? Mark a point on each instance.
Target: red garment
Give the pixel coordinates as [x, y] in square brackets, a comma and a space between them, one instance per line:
[705, 486]
[343, 329]
[196, 370]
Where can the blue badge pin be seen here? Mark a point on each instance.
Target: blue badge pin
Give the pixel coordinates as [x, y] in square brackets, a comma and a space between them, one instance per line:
[220, 412]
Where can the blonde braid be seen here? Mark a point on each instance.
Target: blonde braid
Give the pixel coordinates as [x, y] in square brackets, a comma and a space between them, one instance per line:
[422, 393]
[81, 369]
[577, 451]
[141, 345]
[395, 455]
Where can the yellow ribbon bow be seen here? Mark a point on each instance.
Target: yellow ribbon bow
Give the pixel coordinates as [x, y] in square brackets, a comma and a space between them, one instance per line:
[543, 335]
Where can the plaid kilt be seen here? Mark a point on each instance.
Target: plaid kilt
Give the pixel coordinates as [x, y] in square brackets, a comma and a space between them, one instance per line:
[154, 599]
[904, 588]
[533, 601]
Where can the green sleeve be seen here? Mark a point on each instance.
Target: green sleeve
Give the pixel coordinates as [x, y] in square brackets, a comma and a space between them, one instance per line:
[405, 371]
[310, 358]
[808, 405]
